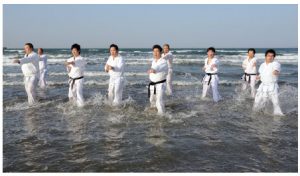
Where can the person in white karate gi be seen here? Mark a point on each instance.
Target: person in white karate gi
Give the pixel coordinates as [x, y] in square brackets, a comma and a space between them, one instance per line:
[268, 89]
[115, 67]
[157, 74]
[43, 68]
[167, 55]
[249, 67]
[75, 67]
[211, 78]
[30, 68]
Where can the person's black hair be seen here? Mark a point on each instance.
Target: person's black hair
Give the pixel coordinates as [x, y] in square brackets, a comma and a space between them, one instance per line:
[76, 46]
[211, 49]
[251, 49]
[270, 51]
[114, 46]
[158, 47]
[42, 50]
[167, 45]
[30, 45]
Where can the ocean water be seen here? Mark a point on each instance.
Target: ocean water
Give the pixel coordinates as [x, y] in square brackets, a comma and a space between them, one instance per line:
[193, 136]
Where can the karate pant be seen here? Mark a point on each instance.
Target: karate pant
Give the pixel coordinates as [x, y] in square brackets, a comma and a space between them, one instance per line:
[42, 82]
[213, 84]
[251, 84]
[30, 87]
[76, 93]
[264, 93]
[169, 82]
[115, 90]
[158, 99]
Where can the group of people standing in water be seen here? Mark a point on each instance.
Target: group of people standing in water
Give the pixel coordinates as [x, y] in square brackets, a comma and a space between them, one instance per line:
[34, 68]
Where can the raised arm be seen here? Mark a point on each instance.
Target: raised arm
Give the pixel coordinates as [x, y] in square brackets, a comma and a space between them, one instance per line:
[244, 65]
[81, 63]
[120, 65]
[161, 68]
[215, 65]
[29, 59]
[276, 68]
[259, 72]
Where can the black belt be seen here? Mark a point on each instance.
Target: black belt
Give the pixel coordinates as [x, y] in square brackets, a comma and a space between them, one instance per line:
[247, 74]
[72, 81]
[153, 84]
[210, 74]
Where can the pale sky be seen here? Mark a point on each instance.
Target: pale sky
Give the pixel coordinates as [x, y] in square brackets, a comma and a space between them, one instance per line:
[141, 26]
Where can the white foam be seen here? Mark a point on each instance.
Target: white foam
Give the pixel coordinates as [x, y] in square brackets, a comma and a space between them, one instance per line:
[178, 117]
[97, 99]
[231, 51]
[11, 50]
[105, 83]
[18, 107]
[187, 59]
[19, 51]
[12, 74]
[88, 74]
[59, 56]
[288, 96]
[25, 106]
[10, 64]
[184, 51]
[93, 49]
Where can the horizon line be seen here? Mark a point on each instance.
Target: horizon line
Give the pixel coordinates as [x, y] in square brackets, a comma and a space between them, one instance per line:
[170, 48]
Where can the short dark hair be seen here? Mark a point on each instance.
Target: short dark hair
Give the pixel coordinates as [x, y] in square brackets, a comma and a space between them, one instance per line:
[270, 51]
[158, 47]
[114, 46]
[30, 45]
[211, 49]
[41, 50]
[76, 46]
[167, 45]
[251, 49]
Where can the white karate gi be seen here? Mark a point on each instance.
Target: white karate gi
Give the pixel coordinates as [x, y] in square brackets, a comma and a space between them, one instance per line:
[169, 59]
[76, 73]
[249, 66]
[116, 80]
[43, 71]
[161, 70]
[214, 79]
[268, 89]
[30, 68]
